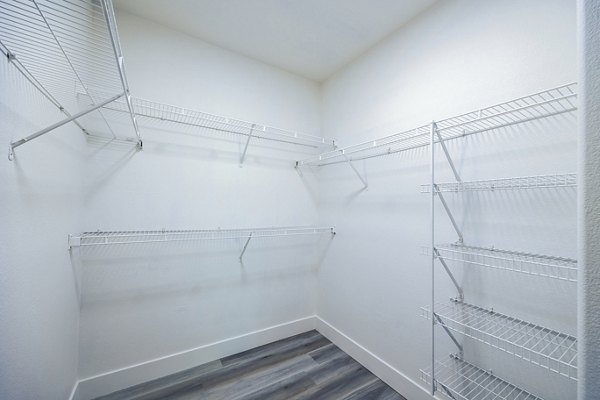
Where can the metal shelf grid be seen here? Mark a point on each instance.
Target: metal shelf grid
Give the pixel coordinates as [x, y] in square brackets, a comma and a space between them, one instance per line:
[58, 44]
[396, 143]
[526, 263]
[516, 183]
[460, 380]
[539, 105]
[544, 104]
[541, 346]
[160, 115]
[132, 237]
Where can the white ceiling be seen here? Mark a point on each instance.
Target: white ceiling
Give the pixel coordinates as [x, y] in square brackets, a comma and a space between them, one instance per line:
[311, 38]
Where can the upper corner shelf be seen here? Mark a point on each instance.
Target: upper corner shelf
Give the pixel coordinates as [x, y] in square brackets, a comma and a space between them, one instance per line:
[57, 45]
[535, 106]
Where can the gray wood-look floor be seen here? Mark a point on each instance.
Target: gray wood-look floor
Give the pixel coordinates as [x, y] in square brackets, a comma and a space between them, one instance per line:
[305, 366]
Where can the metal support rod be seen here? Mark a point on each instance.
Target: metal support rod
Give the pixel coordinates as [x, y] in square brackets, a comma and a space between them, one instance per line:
[449, 332]
[18, 143]
[247, 143]
[461, 294]
[246, 245]
[364, 181]
[432, 210]
[29, 76]
[454, 224]
[114, 38]
[441, 141]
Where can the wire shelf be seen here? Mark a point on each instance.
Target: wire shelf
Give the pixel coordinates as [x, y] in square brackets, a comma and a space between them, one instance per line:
[526, 263]
[154, 114]
[460, 380]
[58, 44]
[516, 183]
[132, 237]
[524, 109]
[541, 346]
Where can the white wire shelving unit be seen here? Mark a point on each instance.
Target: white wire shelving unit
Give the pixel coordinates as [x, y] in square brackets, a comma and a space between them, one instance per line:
[169, 117]
[539, 105]
[541, 346]
[525, 263]
[58, 44]
[516, 183]
[112, 238]
[460, 380]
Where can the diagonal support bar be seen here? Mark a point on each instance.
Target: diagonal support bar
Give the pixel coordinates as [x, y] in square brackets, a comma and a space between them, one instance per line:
[441, 141]
[449, 332]
[461, 294]
[247, 143]
[73, 117]
[454, 224]
[111, 23]
[246, 245]
[363, 180]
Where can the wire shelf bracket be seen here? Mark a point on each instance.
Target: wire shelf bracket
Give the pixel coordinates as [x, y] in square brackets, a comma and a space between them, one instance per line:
[541, 346]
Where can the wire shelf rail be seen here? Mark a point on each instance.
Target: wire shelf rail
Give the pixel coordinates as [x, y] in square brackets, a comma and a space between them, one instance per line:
[541, 346]
[154, 114]
[516, 183]
[460, 380]
[526, 263]
[101, 238]
[539, 105]
[57, 44]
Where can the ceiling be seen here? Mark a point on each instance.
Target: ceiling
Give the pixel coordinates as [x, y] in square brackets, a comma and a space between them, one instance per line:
[311, 38]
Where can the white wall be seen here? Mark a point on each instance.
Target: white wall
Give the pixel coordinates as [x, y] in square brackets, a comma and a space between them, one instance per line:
[146, 302]
[41, 204]
[589, 199]
[454, 58]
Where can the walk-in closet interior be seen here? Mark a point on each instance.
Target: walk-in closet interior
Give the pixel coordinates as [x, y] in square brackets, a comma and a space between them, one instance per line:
[320, 199]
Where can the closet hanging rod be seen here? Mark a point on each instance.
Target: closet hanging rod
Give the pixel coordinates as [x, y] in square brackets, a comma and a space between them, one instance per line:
[514, 183]
[100, 238]
[547, 103]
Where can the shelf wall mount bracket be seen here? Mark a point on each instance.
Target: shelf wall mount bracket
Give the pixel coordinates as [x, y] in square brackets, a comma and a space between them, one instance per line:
[362, 179]
[447, 208]
[446, 152]
[438, 320]
[461, 294]
[243, 157]
[20, 142]
[245, 246]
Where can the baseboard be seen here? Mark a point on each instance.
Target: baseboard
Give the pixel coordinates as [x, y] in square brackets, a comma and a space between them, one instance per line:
[99, 385]
[384, 371]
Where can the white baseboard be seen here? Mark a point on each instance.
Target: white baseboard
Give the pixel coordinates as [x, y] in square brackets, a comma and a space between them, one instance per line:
[122, 378]
[384, 371]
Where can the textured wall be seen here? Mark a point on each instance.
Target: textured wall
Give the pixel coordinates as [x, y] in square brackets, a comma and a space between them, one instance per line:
[40, 193]
[589, 199]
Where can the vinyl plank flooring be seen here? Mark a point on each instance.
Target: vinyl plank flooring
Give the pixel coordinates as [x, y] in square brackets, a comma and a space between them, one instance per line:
[303, 367]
